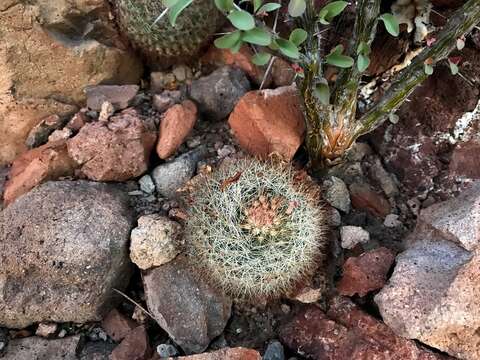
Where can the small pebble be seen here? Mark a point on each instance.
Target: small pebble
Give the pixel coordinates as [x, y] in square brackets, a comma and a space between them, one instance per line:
[166, 350]
[46, 329]
[392, 220]
[62, 333]
[135, 193]
[146, 184]
[353, 235]
[274, 351]
[194, 142]
[225, 151]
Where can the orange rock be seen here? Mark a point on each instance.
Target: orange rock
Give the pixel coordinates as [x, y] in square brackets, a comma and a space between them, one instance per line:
[175, 126]
[363, 197]
[238, 353]
[47, 162]
[242, 60]
[269, 121]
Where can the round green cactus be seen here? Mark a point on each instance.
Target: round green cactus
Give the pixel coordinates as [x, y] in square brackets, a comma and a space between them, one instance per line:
[255, 230]
[161, 43]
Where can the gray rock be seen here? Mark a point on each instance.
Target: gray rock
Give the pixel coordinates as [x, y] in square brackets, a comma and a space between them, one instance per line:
[274, 351]
[172, 175]
[392, 220]
[336, 194]
[358, 151]
[352, 235]
[95, 350]
[384, 179]
[63, 248]
[36, 348]
[217, 93]
[188, 309]
[146, 184]
[155, 241]
[334, 217]
[433, 294]
[120, 96]
[40, 133]
[166, 350]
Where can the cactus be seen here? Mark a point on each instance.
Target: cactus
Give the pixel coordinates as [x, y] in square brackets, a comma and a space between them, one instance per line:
[255, 230]
[160, 43]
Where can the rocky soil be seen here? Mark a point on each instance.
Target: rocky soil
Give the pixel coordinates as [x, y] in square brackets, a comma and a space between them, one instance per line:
[93, 158]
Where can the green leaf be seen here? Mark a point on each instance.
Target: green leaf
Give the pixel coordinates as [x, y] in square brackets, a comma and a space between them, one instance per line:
[322, 91]
[224, 5]
[169, 3]
[268, 7]
[296, 8]
[428, 69]
[453, 68]
[298, 36]
[236, 48]
[337, 59]
[362, 62]
[241, 19]
[176, 10]
[228, 41]
[363, 48]
[257, 36]
[257, 4]
[391, 24]
[331, 10]
[288, 48]
[261, 59]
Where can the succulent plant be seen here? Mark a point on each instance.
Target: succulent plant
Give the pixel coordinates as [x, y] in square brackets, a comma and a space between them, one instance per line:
[161, 43]
[255, 230]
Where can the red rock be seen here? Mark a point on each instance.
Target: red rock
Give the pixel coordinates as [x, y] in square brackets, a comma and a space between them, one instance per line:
[365, 273]
[77, 121]
[347, 333]
[117, 150]
[176, 124]
[120, 96]
[47, 162]
[242, 60]
[364, 198]
[464, 161]
[135, 346]
[269, 121]
[238, 353]
[117, 325]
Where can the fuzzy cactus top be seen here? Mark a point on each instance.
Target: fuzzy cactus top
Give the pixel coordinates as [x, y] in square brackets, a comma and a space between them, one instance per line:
[255, 229]
[160, 43]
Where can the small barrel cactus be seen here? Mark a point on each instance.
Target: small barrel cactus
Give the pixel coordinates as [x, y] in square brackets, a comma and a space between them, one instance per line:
[161, 43]
[255, 230]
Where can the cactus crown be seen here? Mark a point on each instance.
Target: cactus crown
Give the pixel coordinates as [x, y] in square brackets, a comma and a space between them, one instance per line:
[161, 43]
[255, 229]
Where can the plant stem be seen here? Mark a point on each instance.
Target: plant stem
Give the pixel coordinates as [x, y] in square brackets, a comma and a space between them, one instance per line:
[461, 22]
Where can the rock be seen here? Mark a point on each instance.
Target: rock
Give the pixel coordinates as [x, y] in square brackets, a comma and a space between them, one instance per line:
[47, 162]
[33, 348]
[116, 151]
[161, 102]
[365, 273]
[347, 333]
[391, 221]
[134, 346]
[457, 219]
[217, 93]
[58, 51]
[274, 351]
[63, 248]
[166, 350]
[77, 121]
[95, 350]
[120, 96]
[238, 353]
[189, 310]
[155, 241]
[358, 151]
[241, 60]
[441, 262]
[117, 325]
[282, 73]
[160, 80]
[172, 175]
[364, 198]
[106, 111]
[334, 218]
[307, 295]
[146, 184]
[351, 236]
[336, 194]
[40, 133]
[463, 163]
[176, 124]
[269, 121]
[58, 135]
[383, 178]
[46, 329]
